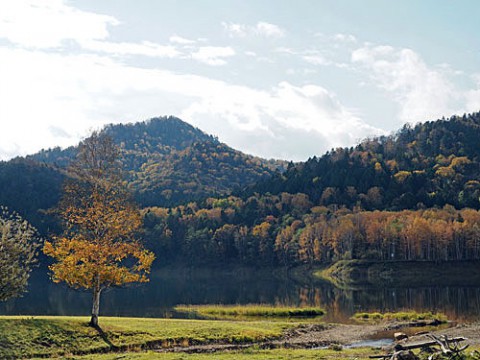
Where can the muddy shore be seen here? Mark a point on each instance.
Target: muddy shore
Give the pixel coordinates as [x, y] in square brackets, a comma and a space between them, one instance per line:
[325, 335]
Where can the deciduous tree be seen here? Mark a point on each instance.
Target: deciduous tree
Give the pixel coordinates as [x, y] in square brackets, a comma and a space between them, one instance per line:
[17, 253]
[98, 248]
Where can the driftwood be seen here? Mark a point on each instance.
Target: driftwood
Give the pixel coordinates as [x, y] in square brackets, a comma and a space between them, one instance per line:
[442, 345]
[442, 341]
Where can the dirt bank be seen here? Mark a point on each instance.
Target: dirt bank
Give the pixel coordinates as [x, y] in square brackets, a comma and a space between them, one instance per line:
[321, 335]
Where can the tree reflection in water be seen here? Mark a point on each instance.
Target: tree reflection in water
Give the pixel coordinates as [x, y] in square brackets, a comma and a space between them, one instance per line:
[242, 286]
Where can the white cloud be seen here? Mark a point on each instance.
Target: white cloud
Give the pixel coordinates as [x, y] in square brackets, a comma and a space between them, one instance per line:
[145, 48]
[335, 39]
[181, 40]
[476, 79]
[262, 29]
[286, 50]
[472, 97]
[52, 94]
[48, 23]
[273, 117]
[269, 30]
[236, 30]
[422, 93]
[345, 38]
[37, 95]
[213, 55]
[316, 59]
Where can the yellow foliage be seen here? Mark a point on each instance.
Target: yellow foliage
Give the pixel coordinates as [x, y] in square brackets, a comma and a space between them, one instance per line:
[459, 162]
[392, 164]
[98, 248]
[445, 171]
[378, 167]
[262, 230]
[401, 176]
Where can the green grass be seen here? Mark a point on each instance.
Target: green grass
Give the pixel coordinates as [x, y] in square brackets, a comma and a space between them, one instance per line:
[399, 316]
[252, 353]
[255, 311]
[23, 337]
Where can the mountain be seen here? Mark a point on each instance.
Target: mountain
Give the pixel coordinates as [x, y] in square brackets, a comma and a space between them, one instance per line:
[424, 179]
[138, 141]
[166, 162]
[203, 169]
[430, 164]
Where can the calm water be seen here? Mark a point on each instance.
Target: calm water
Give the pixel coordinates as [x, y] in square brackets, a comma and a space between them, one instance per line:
[168, 288]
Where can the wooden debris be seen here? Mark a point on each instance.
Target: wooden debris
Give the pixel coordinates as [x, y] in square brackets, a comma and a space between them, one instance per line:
[443, 345]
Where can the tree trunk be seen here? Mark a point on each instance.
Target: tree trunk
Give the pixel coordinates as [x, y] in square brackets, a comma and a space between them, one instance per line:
[95, 306]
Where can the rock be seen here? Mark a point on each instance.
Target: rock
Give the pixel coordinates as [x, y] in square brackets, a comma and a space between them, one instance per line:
[406, 355]
[400, 336]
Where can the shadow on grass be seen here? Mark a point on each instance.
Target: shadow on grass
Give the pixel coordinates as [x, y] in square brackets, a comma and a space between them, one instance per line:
[105, 338]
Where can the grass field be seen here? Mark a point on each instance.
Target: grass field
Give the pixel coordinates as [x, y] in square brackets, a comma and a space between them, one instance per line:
[252, 311]
[399, 316]
[27, 337]
[275, 354]
[143, 339]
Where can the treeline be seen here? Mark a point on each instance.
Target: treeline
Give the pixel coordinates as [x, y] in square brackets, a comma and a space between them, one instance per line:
[289, 230]
[431, 164]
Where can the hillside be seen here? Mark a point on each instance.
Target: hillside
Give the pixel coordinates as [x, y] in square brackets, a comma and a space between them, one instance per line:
[203, 169]
[166, 161]
[28, 187]
[430, 164]
[424, 179]
[138, 141]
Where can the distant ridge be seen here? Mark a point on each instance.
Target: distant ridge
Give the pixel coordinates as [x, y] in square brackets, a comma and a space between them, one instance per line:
[430, 164]
[156, 135]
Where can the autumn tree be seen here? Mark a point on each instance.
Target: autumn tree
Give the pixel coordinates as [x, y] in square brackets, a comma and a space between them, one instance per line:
[98, 248]
[18, 246]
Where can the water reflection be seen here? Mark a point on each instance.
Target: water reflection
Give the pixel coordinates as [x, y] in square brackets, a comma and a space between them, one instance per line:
[168, 288]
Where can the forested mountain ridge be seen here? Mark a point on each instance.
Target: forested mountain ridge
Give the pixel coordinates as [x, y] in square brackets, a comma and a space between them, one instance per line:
[430, 164]
[424, 179]
[166, 161]
[141, 139]
[203, 169]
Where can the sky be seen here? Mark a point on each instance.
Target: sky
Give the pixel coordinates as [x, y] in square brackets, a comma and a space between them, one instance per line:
[279, 78]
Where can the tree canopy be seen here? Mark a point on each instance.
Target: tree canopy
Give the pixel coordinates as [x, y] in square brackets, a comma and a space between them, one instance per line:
[18, 245]
[98, 248]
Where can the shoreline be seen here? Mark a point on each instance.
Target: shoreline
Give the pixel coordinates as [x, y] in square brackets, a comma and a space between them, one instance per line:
[161, 339]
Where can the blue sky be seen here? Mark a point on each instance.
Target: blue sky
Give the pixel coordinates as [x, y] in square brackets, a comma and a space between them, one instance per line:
[278, 79]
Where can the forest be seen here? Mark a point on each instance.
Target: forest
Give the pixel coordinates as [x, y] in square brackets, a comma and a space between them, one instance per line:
[413, 195]
[430, 164]
[288, 230]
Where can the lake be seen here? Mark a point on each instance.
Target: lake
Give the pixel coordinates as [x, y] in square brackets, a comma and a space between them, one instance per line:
[170, 287]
